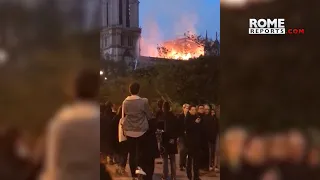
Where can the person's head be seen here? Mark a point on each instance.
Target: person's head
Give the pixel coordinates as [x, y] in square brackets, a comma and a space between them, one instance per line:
[185, 108]
[255, 150]
[213, 112]
[278, 147]
[166, 107]
[200, 109]
[134, 88]
[192, 110]
[87, 85]
[233, 142]
[297, 146]
[108, 107]
[119, 111]
[114, 108]
[160, 103]
[207, 109]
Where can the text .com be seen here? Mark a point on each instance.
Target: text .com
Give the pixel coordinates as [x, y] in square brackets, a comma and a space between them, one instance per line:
[295, 31]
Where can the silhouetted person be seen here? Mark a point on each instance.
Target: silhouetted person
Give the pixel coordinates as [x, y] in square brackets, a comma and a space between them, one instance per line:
[193, 137]
[150, 150]
[169, 124]
[73, 136]
[254, 158]
[108, 132]
[211, 132]
[182, 137]
[233, 144]
[121, 148]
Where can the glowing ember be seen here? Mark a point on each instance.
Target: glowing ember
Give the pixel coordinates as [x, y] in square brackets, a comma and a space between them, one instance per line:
[180, 49]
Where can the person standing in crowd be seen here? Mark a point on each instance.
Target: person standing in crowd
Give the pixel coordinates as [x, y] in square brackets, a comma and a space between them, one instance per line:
[121, 148]
[200, 110]
[254, 158]
[204, 154]
[151, 150]
[159, 110]
[211, 131]
[182, 137]
[297, 151]
[193, 137]
[14, 162]
[277, 154]
[135, 125]
[169, 124]
[232, 149]
[73, 136]
[108, 133]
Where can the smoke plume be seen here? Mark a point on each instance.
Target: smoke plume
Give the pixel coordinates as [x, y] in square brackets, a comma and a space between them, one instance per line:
[176, 16]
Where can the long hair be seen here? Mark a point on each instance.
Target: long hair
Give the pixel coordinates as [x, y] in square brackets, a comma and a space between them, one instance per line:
[166, 107]
[108, 107]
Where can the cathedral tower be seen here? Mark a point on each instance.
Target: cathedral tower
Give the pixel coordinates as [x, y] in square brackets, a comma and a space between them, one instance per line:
[120, 30]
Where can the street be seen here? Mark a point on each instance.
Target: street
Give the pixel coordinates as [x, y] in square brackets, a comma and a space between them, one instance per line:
[158, 172]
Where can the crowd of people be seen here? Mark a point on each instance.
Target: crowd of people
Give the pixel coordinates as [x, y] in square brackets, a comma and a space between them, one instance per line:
[136, 132]
[82, 133]
[287, 155]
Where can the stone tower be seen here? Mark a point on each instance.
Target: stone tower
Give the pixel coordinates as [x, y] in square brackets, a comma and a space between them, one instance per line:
[120, 30]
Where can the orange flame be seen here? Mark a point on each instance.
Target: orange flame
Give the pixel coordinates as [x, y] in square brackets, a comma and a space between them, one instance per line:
[182, 49]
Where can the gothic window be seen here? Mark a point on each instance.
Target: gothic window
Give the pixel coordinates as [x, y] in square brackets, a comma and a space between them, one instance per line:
[120, 12]
[127, 13]
[107, 14]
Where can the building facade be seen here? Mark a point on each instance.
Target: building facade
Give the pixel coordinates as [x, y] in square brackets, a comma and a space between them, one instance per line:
[120, 30]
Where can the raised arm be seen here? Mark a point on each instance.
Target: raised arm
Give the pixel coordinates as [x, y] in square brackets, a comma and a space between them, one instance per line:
[147, 109]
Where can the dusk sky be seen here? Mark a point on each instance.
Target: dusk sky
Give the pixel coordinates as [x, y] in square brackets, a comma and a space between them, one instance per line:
[168, 19]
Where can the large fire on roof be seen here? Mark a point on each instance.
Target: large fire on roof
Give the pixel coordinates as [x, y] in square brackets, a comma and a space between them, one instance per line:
[180, 49]
[185, 48]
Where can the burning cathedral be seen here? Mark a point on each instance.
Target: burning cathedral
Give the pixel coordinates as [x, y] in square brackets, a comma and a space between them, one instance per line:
[120, 38]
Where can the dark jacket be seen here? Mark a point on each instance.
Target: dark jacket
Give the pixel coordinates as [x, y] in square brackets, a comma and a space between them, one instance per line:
[193, 133]
[181, 124]
[115, 133]
[107, 133]
[152, 143]
[210, 127]
[169, 123]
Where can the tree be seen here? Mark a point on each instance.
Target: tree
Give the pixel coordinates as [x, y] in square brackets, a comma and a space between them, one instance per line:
[194, 81]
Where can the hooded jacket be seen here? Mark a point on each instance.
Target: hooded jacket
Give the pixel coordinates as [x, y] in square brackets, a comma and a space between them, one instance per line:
[137, 113]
